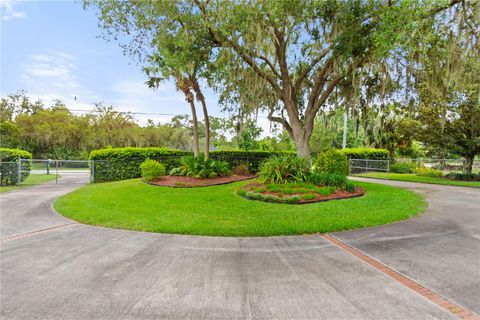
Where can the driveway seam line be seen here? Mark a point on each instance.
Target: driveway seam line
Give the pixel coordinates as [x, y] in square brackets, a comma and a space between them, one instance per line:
[430, 295]
[35, 232]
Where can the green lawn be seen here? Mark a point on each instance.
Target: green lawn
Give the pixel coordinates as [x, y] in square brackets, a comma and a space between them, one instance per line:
[32, 179]
[414, 178]
[219, 211]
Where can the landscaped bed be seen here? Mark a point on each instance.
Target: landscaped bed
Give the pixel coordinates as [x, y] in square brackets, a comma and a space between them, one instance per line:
[296, 193]
[220, 211]
[186, 182]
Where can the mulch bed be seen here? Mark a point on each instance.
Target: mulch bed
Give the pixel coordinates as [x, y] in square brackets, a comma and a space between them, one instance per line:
[337, 195]
[188, 182]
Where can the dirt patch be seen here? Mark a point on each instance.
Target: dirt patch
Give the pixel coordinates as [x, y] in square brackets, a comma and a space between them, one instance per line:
[188, 182]
[337, 195]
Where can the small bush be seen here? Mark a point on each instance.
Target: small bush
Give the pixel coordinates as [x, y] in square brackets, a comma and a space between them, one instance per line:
[284, 169]
[366, 153]
[152, 169]
[463, 176]
[325, 191]
[349, 187]
[427, 172]
[292, 199]
[332, 179]
[308, 196]
[9, 165]
[241, 192]
[403, 168]
[201, 168]
[241, 169]
[332, 161]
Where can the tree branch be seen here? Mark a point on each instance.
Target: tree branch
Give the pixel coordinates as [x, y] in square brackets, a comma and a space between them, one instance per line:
[240, 51]
[280, 120]
[309, 68]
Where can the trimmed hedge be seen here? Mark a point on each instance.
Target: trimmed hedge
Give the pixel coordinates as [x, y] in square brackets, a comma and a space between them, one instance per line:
[332, 161]
[124, 163]
[366, 153]
[9, 165]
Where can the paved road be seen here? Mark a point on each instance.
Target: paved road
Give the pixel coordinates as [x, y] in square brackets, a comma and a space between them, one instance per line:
[75, 271]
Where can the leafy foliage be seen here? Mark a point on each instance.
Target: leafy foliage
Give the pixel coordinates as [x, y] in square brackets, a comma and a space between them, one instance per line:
[332, 161]
[366, 153]
[427, 172]
[328, 179]
[200, 167]
[152, 169]
[124, 163]
[463, 176]
[284, 169]
[9, 165]
[404, 167]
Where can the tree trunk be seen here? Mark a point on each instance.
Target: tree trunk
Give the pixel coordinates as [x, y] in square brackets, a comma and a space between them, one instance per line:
[196, 143]
[207, 127]
[303, 147]
[201, 98]
[468, 164]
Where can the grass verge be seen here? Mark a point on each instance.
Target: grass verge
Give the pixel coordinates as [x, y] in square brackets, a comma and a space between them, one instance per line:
[410, 177]
[219, 211]
[31, 180]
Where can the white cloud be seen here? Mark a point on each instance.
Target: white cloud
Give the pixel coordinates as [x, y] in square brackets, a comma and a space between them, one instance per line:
[55, 67]
[8, 11]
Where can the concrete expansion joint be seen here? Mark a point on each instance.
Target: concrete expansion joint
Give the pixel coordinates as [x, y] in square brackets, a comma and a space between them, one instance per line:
[444, 303]
[35, 232]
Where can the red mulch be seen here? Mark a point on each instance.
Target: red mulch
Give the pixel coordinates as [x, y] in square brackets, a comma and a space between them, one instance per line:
[188, 182]
[339, 194]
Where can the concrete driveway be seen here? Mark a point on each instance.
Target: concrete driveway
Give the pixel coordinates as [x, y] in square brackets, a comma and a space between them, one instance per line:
[52, 268]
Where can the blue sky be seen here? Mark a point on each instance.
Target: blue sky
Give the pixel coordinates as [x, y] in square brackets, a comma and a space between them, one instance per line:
[52, 50]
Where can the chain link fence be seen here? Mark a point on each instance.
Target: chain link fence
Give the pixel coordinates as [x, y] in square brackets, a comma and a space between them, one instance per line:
[358, 166]
[445, 165]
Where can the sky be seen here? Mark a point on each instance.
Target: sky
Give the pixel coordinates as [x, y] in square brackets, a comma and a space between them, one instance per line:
[52, 50]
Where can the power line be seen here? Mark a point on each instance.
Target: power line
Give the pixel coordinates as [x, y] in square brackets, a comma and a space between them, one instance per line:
[126, 112]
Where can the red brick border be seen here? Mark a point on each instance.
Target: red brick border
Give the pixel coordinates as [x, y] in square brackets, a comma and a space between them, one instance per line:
[34, 232]
[452, 307]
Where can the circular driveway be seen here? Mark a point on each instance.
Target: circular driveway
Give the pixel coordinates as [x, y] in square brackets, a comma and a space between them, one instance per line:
[53, 268]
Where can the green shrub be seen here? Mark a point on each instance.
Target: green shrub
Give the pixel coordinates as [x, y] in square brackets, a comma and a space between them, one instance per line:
[241, 169]
[308, 196]
[9, 165]
[366, 153]
[332, 161]
[241, 192]
[200, 167]
[124, 163]
[463, 176]
[327, 179]
[325, 191]
[284, 169]
[427, 172]
[403, 167]
[349, 187]
[292, 199]
[152, 169]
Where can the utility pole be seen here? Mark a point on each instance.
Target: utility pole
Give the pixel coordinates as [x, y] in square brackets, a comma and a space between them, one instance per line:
[345, 118]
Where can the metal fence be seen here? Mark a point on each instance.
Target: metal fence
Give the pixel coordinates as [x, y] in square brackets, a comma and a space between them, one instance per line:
[28, 171]
[357, 166]
[446, 165]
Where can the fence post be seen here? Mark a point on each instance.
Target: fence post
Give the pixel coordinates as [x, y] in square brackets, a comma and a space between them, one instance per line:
[349, 167]
[92, 171]
[19, 170]
[56, 171]
[388, 167]
[366, 165]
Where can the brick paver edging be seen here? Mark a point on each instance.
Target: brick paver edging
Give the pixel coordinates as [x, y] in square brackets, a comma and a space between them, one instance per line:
[35, 232]
[452, 307]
